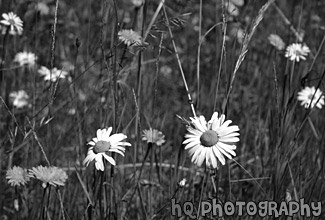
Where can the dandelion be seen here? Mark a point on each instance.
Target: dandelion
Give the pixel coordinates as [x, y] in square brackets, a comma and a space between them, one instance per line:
[104, 143]
[211, 141]
[130, 37]
[19, 98]
[53, 74]
[14, 23]
[276, 41]
[297, 51]
[153, 136]
[49, 175]
[17, 176]
[25, 58]
[311, 95]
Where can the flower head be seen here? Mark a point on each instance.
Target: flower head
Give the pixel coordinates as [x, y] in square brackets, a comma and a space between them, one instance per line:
[137, 3]
[211, 141]
[49, 175]
[42, 8]
[104, 143]
[19, 98]
[276, 41]
[25, 58]
[311, 96]
[182, 183]
[130, 37]
[232, 6]
[14, 23]
[153, 136]
[53, 74]
[17, 176]
[297, 51]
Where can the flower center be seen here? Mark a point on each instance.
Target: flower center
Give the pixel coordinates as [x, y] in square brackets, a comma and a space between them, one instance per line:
[101, 146]
[209, 138]
[11, 21]
[310, 96]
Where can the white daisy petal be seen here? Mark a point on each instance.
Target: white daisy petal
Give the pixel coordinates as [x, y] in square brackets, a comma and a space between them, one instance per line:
[218, 154]
[110, 159]
[192, 143]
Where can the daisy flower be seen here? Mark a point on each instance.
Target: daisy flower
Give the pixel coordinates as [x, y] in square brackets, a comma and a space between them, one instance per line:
[25, 58]
[49, 175]
[19, 98]
[297, 51]
[130, 37]
[104, 143]
[276, 41]
[310, 95]
[153, 136]
[211, 141]
[13, 22]
[17, 176]
[53, 74]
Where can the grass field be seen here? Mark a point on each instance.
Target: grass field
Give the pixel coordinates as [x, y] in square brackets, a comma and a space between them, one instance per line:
[119, 109]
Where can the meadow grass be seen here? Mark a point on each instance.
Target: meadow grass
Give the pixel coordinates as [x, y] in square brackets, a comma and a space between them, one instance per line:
[182, 60]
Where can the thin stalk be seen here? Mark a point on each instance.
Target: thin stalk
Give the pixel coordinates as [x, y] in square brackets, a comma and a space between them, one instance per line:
[223, 50]
[291, 76]
[75, 102]
[112, 210]
[203, 187]
[179, 62]
[61, 204]
[198, 58]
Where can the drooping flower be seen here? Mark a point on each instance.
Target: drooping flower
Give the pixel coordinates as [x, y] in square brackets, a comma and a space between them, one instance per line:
[102, 145]
[211, 141]
[53, 74]
[153, 136]
[42, 8]
[276, 41]
[19, 98]
[310, 97]
[297, 51]
[14, 23]
[17, 176]
[49, 175]
[25, 58]
[130, 37]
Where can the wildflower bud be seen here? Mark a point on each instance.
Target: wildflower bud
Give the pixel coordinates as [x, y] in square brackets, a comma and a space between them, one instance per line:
[182, 183]
[16, 205]
[288, 196]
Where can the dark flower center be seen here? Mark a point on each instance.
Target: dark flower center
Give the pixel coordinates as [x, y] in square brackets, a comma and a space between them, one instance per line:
[310, 96]
[11, 21]
[101, 146]
[209, 138]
